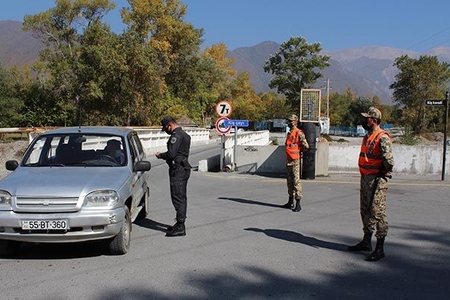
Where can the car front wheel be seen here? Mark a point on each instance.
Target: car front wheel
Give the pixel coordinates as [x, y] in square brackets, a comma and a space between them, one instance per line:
[120, 244]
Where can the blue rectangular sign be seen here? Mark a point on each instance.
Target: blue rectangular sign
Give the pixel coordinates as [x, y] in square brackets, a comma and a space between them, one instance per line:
[236, 123]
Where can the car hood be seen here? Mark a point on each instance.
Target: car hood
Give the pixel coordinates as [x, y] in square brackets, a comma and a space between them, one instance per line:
[63, 181]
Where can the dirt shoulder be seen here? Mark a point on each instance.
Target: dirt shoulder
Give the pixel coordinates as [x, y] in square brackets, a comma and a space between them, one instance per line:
[8, 151]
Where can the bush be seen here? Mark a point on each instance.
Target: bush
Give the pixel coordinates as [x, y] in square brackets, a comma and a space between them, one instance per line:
[409, 139]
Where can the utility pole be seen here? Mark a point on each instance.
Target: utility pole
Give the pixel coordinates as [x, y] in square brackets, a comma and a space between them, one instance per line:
[444, 151]
[328, 98]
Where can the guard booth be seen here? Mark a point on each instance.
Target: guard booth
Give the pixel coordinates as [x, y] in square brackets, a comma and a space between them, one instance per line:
[309, 122]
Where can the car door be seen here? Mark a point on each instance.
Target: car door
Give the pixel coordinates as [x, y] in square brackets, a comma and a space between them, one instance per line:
[139, 182]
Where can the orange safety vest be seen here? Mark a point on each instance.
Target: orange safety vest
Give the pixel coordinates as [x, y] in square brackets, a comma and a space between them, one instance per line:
[370, 159]
[293, 144]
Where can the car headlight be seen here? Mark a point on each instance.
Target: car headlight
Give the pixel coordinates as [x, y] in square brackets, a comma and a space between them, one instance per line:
[102, 198]
[5, 200]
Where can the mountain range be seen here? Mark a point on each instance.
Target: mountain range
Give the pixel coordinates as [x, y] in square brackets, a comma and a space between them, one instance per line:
[368, 70]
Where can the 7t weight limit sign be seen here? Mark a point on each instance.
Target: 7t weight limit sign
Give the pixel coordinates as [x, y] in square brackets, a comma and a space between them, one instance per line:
[223, 108]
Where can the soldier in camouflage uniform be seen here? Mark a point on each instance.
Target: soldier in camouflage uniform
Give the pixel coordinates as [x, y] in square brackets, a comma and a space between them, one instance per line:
[295, 143]
[375, 165]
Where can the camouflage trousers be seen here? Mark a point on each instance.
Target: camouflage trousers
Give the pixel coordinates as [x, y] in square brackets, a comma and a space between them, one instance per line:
[294, 184]
[373, 191]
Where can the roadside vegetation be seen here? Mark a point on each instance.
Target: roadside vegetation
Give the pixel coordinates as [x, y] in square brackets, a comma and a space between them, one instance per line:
[88, 74]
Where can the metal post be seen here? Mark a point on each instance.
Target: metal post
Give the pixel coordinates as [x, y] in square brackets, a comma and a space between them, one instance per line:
[445, 135]
[234, 148]
[222, 150]
[328, 98]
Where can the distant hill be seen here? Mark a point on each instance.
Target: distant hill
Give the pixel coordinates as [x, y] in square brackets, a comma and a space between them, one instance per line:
[17, 47]
[367, 70]
[343, 72]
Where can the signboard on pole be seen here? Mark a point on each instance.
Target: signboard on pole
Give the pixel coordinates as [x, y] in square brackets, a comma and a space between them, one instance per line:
[310, 105]
[221, 127]
[223, 108]
[236, 123]
[435, 102]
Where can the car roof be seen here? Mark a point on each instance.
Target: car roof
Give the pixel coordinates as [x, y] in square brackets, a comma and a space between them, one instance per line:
[112, 130]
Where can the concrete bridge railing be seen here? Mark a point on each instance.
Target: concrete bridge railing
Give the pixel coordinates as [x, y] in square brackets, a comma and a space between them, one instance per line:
[254, 154]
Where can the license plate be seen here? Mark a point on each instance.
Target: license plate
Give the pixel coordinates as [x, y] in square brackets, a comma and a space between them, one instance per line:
[45, 224]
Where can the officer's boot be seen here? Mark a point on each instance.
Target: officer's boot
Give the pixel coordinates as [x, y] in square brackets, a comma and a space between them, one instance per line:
[378, 253]
[364, 245]
[298, 207]
[289, 204]
[177, 230]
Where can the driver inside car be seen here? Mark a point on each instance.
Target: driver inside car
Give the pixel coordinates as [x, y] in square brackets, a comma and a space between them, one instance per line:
[113, 150]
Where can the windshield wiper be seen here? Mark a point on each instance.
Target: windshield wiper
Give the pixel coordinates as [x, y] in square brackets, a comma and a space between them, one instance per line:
[44, 165]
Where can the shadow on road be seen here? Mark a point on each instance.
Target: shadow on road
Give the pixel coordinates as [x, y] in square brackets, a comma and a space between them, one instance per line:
[150, 224]
[246, 201]
[296, 237]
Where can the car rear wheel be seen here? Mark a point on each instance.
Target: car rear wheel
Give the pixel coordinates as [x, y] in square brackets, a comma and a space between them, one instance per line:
[120, 244]
[145, 205]
[8, 248]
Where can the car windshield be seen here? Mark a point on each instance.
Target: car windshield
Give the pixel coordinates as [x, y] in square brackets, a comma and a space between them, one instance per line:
[76, 150]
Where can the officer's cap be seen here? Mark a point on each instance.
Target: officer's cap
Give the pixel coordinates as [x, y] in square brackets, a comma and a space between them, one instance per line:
[166, 120]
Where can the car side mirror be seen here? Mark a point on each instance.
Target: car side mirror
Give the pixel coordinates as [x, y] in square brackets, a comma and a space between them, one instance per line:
[142, 166]
[11, 165]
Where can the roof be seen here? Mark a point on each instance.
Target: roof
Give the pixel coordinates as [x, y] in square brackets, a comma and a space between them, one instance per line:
[113, 130]
[186, 121]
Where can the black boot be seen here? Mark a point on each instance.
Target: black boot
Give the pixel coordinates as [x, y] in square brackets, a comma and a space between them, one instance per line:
[364, 245]
[289, 204]
[177, 229]
[378, 253]
[298, 207]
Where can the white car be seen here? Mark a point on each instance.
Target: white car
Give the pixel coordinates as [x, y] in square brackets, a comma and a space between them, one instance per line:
[75, 184]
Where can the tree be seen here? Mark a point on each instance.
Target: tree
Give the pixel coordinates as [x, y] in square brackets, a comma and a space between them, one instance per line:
[62, 29]
[210, 82]
[274, 106]
[127, 79]
[246, 104]
[10, 104]
[419, 80]
[295, 67]
[355, 108]
[160, 27]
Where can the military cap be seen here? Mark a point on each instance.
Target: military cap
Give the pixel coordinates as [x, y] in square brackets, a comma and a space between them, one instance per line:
[293, 118]
[372, 113]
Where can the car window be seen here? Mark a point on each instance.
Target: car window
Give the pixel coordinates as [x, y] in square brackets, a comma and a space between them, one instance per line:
[136, 145]
[76, 150]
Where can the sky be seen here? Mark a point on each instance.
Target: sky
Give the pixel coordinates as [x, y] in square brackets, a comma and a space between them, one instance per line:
[337, 24]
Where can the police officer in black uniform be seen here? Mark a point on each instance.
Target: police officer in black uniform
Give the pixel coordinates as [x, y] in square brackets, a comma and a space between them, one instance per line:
[176, 157]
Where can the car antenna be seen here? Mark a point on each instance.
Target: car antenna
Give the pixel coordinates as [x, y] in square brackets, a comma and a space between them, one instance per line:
[79, 112]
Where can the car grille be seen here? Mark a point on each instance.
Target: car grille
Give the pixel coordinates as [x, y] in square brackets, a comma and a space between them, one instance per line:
[48, 205]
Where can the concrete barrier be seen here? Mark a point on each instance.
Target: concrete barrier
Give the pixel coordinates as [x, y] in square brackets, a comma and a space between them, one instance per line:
[333, 158]
[272, 159]
[418, 159]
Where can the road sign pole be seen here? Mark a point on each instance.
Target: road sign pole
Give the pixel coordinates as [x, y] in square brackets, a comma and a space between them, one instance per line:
[222, 150]
[235, 146]
[445, 136]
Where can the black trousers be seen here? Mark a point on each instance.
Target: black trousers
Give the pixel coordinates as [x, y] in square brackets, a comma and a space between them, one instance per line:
[179, 177]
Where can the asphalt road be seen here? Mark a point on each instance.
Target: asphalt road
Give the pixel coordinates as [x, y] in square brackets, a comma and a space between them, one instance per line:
[241, 245]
